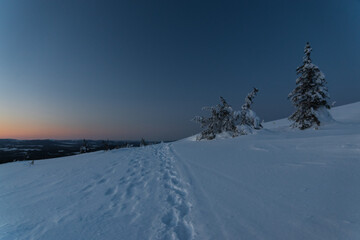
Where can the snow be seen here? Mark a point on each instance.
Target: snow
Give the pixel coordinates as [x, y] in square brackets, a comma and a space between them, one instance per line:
[281, 183]
[6, 149]
[323, 115]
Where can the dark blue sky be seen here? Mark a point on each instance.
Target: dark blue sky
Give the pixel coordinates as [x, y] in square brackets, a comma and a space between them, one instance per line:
[132, 69]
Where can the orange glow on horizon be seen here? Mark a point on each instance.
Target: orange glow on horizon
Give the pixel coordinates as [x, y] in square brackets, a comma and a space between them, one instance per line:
[24, 130]
[33, 131]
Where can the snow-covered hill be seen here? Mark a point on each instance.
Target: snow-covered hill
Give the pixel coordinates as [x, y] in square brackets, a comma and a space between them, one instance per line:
[278, 184]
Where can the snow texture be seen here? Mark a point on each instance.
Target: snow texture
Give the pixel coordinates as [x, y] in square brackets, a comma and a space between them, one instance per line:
[281, 183]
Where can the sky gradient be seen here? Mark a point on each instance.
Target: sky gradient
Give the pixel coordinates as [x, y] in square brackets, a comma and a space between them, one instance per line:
[132, 69]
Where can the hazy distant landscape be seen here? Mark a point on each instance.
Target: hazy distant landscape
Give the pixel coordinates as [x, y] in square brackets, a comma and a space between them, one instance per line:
[18, 150]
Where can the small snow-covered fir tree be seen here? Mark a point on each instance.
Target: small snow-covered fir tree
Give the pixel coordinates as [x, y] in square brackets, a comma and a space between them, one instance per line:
[142, 142]
[248, 119]
[106, 145]
[310, 96]
[221, 120]
[85, 147]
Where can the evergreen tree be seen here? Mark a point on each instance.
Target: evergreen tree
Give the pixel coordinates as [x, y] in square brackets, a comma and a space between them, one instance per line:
[84, 148]
[247, 118]
[106, 145]
[310, 96]
[222, 119]
[142, 142]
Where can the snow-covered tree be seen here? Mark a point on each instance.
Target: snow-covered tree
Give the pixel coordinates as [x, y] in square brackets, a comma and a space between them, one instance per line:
[248, 119]
[106, 145]
[221, 120]
[142, 142]
[310, 96]
[84, 148]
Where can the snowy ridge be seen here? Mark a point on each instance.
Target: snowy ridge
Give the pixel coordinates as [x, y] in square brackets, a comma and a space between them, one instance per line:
[277, 184]
[117, 195]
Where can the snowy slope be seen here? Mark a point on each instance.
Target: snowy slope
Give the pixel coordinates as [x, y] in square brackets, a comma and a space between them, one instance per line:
[277, 184]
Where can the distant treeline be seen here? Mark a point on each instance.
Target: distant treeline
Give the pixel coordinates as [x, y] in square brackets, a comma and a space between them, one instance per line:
[19, 150]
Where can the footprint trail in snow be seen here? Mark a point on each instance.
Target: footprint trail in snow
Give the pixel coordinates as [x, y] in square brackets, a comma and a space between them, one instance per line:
[175, 217]
[152, 191]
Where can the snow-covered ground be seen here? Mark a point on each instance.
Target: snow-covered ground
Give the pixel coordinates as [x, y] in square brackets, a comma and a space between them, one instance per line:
[277, 184]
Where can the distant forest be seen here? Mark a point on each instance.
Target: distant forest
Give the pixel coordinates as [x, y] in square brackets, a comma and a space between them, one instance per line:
[20, 150]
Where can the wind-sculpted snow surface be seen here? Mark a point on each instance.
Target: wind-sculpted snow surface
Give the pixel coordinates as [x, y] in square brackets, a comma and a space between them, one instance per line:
[278, 184]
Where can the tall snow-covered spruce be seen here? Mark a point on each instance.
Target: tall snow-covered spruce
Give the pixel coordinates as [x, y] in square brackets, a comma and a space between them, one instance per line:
[310, 96]
[248, 119]
[221, 120]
